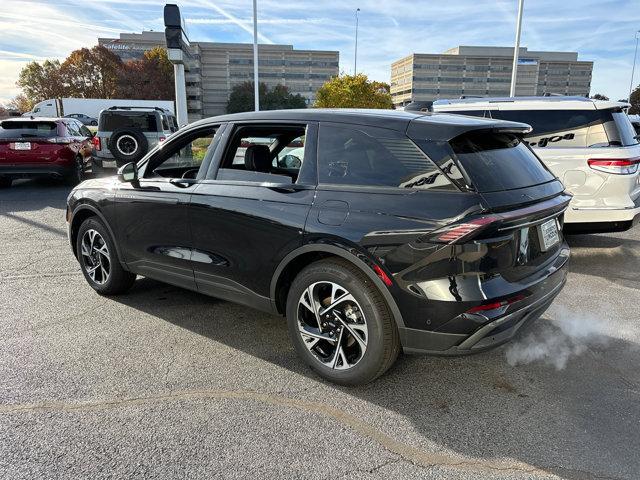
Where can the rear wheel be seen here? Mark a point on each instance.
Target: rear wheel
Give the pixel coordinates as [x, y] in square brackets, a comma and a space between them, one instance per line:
[99, 259]
[78, 173]
[5, 182]
[340, 324]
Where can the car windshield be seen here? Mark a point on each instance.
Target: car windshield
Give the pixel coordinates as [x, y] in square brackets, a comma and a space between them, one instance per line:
[28, 129]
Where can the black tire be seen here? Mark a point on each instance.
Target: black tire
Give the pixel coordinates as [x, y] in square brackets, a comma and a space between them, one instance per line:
[383, 342]
[118, 279]
[94, 123]
[77, 175]
[5, 182]
[128, 145]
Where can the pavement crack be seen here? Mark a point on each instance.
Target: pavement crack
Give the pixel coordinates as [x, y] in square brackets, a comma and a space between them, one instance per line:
[403, 450]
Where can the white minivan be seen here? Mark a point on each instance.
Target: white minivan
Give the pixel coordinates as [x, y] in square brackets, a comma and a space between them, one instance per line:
[590, 145]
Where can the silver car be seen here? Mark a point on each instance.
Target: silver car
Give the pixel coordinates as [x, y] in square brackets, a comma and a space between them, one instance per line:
[126, 134]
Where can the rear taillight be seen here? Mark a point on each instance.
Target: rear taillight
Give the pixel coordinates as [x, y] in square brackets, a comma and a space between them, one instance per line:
[60, 140]
[461, 231]
[162, 139]
[97, 145]
[617, 166]
[497, 304]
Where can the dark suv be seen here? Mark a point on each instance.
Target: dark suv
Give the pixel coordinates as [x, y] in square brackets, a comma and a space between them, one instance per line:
[371, 231]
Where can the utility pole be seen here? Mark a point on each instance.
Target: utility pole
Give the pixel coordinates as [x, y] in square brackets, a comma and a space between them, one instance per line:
[633, 70]
[355, 57]
[256, 89]
[516, 50]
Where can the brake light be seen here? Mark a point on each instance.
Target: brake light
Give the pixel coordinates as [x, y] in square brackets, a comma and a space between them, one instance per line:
[455, 233]
[97, 145]
[617, 166]
[162, 139]
[494, 305]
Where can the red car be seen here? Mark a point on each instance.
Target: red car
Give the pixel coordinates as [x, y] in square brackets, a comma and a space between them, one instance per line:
[49, 147]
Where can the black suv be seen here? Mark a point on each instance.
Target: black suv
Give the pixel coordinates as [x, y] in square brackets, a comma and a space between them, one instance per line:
[372, 231]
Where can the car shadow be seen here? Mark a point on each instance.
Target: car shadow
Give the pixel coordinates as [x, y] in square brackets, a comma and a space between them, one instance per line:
[564, 422]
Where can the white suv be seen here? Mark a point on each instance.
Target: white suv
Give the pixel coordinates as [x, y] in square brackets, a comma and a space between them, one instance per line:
[590, 145]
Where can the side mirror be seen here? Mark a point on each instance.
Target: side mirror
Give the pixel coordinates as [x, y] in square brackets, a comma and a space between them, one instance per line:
[128, 173]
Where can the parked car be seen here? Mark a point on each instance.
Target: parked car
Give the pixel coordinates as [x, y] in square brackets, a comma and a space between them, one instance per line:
[126, 134]
[85, 119]
[430, 233]
[589, 144]
[36, 147]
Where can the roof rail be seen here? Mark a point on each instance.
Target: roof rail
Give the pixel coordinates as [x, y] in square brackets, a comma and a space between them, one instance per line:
[551, 98]
[127, 107]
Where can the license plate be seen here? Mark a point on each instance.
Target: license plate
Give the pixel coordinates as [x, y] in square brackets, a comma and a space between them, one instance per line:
[22, 146]
[549, 235]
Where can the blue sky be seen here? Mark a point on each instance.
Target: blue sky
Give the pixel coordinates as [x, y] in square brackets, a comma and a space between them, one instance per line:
[601, 31]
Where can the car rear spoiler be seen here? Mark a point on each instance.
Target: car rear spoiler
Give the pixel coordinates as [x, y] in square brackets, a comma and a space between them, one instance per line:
[444, 127]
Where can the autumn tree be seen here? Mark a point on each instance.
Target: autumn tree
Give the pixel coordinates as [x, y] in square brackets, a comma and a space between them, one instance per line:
[353, 91]
[150, 78]
[242, 97]
[91, 73]
[40, 81]
[634, 100]
[21, 103]
[599, 96]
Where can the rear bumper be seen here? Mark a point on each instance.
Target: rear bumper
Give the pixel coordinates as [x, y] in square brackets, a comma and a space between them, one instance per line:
[601, 219]
[35, 170]
[494, 331]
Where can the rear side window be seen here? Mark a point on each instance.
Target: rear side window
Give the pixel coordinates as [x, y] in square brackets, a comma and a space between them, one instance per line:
[491, 161]
[371, 156]
[28, 129]
[565, 128]
[110, 122]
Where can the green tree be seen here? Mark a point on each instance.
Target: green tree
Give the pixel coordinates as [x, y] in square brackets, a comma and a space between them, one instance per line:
[241, 98]
[150, 78]
[40, 81]
[599, 96]
[634, 100]
[91, 73]
[353, 91]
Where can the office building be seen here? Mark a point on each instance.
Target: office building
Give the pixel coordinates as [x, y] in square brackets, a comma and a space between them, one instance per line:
[486, 71]
[214, 68]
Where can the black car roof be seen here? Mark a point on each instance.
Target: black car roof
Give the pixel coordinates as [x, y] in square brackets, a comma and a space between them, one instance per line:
[434, 126]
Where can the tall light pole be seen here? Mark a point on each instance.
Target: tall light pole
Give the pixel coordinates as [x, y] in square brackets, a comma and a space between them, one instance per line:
[355, 57]
[256, 89]
[516, 50]
[633, 70]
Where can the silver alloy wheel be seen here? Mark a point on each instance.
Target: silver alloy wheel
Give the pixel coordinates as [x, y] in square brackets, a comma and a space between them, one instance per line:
[127, 145]
[332, 325]
[96, 258]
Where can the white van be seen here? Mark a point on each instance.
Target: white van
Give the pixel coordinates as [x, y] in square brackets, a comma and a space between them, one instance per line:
[590, 145]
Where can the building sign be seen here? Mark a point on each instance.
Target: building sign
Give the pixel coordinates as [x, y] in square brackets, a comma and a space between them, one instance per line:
[527, 61]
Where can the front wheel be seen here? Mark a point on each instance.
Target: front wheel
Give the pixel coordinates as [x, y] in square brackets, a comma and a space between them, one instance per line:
[99, 260]
[340, 324]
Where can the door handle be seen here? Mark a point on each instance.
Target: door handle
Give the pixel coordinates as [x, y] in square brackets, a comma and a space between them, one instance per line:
[181, 182]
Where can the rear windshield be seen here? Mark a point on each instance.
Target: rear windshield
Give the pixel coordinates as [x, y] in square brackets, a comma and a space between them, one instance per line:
[28, 129]
[491, 162]
[573, 128]
[110, 122]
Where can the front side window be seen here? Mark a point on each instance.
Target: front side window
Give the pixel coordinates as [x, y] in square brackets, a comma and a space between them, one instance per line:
[257, 152]
[183, 157]
[377, 157]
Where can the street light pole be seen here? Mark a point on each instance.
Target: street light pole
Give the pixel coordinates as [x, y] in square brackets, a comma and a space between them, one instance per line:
[516, 50]
[355, 57]
[256, 89]
[633, 70]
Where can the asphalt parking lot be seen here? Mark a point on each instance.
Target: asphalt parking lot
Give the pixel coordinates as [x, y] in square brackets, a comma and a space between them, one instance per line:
[166, 383]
